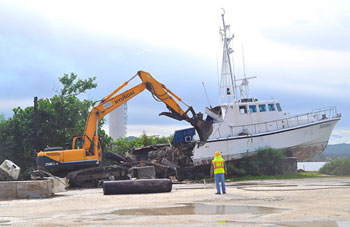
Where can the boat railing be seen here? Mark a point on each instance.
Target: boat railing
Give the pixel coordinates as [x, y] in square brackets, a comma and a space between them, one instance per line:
[285, 123]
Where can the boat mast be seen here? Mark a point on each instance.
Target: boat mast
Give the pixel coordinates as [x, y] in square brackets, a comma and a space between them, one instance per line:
[243, 87]
[228, 79]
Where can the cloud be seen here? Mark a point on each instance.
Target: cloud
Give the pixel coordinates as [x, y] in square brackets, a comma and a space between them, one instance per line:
[6, 105]
[328, 31]
[340, 136]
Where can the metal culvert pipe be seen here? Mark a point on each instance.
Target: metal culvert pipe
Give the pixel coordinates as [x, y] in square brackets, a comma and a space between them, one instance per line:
[137, 186]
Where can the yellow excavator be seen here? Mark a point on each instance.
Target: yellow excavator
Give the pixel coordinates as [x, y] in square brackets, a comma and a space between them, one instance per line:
[80, 161]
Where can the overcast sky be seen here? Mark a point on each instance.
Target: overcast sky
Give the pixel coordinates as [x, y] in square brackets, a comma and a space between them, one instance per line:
[299, 51]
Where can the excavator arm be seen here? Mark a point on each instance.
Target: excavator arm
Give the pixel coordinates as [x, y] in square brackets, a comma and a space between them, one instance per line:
[160, 92]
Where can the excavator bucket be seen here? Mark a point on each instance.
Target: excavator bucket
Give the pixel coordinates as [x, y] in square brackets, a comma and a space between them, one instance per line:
[203, 128]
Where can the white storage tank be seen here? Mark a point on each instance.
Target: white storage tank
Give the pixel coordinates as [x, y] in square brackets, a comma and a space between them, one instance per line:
[117, 122]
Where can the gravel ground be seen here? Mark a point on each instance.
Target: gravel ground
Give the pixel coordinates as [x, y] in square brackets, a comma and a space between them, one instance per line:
[301, 202]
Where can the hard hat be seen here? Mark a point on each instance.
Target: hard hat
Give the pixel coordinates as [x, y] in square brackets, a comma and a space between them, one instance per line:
[217, 153]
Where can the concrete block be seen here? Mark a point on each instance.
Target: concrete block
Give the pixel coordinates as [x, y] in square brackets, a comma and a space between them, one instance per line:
[144, 172]
[8, 190]
[31, 189]
[58, 184]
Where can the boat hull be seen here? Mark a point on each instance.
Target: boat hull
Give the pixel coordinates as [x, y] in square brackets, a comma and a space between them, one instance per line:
[302, 142]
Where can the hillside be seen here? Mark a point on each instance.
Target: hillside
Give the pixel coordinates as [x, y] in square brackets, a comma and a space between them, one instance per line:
[334, 151]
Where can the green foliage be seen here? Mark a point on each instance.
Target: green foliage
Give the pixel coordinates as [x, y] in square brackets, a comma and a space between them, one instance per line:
[74, 88]
[2, 118]
[233, 170]
[123, 145]
[266, 161]
[59, 119]
[16, 138]
[275, 177]
[339, 167]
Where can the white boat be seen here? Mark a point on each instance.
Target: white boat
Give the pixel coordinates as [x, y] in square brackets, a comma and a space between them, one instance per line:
[243, 125]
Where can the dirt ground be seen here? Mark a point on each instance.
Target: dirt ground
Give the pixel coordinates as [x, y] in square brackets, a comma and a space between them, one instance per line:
[301, 202]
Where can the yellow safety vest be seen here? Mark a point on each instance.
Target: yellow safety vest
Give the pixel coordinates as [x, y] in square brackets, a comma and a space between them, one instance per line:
[219, 165]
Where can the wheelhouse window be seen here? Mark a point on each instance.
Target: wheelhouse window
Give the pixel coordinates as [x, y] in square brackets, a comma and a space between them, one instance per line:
[271, 107]
[242, 109]
[252, 108]
[262, 108]
[278, 107]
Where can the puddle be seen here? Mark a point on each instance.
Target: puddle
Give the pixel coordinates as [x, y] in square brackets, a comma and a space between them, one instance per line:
[199, 209]
[316, 224]
[4, 222]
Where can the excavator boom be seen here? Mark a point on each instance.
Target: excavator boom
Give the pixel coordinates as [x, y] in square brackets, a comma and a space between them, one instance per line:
[161, 93]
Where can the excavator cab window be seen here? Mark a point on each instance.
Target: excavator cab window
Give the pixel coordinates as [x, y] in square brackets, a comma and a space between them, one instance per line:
[91, 150]
[78, 143]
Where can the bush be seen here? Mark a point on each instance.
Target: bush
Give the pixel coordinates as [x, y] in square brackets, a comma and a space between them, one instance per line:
[124, 145]
[266, 162]
[339, 167]
[234, 170]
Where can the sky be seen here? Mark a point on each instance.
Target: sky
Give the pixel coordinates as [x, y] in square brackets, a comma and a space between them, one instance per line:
[298, 50]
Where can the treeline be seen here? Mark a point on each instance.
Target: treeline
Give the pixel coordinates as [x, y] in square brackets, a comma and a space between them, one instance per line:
[59, 118]
[338, 167]
[124, 145]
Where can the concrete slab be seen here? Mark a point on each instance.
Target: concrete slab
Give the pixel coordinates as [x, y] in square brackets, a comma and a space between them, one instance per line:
[30, 189]
[144, 172]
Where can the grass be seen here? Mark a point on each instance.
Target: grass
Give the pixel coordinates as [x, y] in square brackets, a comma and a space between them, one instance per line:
[277, 177]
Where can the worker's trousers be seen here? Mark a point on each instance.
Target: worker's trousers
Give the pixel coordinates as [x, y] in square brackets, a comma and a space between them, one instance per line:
[220, 177]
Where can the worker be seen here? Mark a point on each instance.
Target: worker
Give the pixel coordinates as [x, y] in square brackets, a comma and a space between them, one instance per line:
[218, 170]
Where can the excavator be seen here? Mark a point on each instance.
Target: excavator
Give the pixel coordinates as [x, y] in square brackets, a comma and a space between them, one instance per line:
[80, 162]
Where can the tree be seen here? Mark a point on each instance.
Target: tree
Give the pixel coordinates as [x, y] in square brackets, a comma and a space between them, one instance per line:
[338, 167]
[266, 161]
[59, 119]
[124, 145]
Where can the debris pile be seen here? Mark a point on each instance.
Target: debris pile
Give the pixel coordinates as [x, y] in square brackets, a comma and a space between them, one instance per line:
[169, 160]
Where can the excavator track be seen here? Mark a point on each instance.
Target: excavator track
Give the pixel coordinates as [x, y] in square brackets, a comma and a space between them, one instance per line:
[91, 176]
